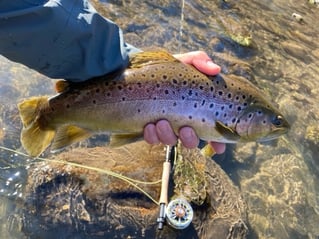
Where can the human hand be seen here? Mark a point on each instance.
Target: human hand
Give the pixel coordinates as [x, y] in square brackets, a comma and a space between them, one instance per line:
[162, 131]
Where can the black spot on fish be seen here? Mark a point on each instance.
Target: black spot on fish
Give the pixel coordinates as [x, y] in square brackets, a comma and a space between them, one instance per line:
[183, 97]
[119, 87]
[233, 120]
[216, 113]
[211, 105]
[222, 108]
[123, 98]
[139, 110]
[229, 95]
[152, 75]
[195, 105]
[184, 82]
[106, 83]
[238, 108]
[203, 102]
[180, 75]
[108, 94]
[190, 92]
[190, 117]
[264, 121]
[130, 88]
[166, 92]
[52, 109]
[250, 115]
[217, 82]
[245, 104]
[203, 120]
[174, 104]
[175, 81]
[211, 88]
[220, 92]
[67, 106]
[139, 84]
[94, 101]
[97, 90]
[225, 86]
[259, 112]
[154, 98]
[237, 98]
[158, 85]
[230, 106]
[225, 115]
[201, 87]
[244, 96]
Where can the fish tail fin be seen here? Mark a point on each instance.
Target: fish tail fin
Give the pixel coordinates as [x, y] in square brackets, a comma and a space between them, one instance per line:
[35, 136]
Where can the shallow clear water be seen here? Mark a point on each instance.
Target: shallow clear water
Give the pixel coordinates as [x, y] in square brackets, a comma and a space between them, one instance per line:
[278, 179]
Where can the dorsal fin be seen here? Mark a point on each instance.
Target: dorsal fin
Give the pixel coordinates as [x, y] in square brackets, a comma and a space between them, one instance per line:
[61, 86]
[146, 58]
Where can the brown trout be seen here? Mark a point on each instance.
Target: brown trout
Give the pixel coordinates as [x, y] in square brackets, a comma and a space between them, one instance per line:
[154, 86]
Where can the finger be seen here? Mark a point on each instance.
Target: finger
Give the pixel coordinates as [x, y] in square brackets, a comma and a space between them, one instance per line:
[206, 66]
[201, 61]
[165, 132]
[218, 147]
[150, 134]
[188, 137]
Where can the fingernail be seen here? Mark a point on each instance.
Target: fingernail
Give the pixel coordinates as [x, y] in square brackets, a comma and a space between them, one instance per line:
[212, 64]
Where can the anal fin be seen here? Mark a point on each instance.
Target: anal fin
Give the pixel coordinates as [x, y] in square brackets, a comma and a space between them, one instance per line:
[67, 135]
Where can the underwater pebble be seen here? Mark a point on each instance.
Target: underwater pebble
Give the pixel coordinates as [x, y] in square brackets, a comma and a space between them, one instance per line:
[295, 50]
[297, 17]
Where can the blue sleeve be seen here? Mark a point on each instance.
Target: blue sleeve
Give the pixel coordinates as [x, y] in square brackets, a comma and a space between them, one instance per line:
[61, 38]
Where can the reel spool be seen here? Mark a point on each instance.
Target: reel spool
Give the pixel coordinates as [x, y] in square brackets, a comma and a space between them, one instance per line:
[179, 213]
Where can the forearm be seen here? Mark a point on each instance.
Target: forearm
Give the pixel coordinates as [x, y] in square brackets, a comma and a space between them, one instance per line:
[61, 38]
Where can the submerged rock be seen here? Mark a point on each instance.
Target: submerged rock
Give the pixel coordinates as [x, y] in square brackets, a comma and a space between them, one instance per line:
[64, 201]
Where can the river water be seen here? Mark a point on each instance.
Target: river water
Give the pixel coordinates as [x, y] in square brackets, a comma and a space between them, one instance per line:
[261, 40]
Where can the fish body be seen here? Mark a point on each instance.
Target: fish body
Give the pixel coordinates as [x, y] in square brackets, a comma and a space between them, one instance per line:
[155, 86]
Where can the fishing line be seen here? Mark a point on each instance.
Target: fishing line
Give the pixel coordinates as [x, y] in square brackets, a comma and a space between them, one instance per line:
[132, 182]
[181, 25]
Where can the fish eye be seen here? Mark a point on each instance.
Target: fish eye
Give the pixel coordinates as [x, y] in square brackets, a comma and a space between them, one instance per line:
[277, 121]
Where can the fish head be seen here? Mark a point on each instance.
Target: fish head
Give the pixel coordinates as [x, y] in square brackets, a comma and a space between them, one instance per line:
[261, 123]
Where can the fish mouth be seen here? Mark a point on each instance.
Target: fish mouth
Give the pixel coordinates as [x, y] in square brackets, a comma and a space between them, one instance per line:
[276, 133]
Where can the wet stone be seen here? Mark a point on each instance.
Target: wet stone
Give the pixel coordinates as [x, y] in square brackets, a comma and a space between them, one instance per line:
[97, 205]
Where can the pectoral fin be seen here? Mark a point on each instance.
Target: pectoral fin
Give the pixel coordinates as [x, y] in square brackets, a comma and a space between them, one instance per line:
[226, 131]
[117, 140]
[67, 135]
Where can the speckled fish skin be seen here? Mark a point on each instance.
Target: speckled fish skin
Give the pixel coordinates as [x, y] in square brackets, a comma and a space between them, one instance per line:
[170, 90]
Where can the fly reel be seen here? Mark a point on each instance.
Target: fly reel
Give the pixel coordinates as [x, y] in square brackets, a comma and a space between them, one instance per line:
[179, 213]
